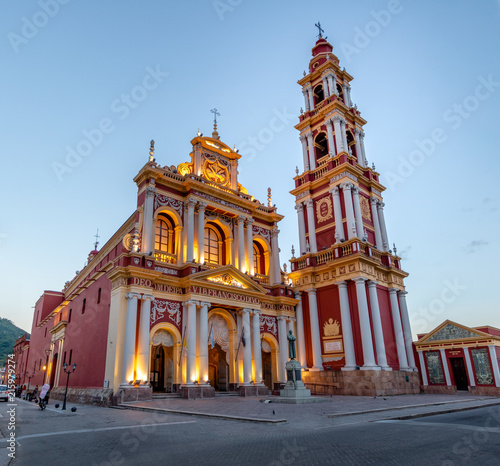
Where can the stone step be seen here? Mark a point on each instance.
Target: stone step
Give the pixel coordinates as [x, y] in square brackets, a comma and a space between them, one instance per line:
[226, 394]
[165, 396]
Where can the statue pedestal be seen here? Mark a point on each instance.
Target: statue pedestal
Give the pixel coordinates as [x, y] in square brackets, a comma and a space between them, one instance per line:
[295, 391]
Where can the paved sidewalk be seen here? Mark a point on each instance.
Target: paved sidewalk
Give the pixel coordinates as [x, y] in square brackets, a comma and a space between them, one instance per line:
[257, 410]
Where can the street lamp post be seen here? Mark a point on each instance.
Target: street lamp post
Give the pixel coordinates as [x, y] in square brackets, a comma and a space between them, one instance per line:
[29, 378]
[67, 382]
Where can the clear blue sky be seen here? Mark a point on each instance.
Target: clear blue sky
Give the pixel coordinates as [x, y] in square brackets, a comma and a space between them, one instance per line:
[416, 74]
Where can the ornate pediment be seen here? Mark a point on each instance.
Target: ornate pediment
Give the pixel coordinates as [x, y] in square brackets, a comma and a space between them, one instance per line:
[228, 275]
[226, 279]
[451, 331]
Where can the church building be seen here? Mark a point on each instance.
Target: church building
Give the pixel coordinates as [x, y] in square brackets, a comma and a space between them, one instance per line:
[188, 295]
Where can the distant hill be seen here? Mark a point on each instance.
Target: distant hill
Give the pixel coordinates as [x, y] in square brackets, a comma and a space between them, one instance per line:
[9, 333]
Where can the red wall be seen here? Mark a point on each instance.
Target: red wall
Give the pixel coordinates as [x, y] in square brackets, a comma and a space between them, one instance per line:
[388, 327]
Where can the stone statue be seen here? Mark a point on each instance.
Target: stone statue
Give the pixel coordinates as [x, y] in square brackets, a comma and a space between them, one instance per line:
[291, 345]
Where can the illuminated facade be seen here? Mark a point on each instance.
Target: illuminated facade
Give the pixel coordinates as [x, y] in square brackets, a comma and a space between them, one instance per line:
[352, 312]
[455, 357]
[186, 297]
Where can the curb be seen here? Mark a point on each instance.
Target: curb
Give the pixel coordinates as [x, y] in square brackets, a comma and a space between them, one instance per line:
[452, 410]
[225, 417]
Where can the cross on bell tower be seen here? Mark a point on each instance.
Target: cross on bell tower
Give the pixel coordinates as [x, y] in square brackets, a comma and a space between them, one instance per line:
[215, 134]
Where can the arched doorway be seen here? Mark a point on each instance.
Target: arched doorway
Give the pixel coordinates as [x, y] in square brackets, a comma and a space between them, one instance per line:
[162, 362]
[53, 370]
[267, 364]
[221, 332]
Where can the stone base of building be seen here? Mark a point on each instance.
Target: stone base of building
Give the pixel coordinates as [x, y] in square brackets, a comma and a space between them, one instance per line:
[196, 392]
[254, 390]
[128, 394]
[447, 389]
[87, 396]
[362, 383]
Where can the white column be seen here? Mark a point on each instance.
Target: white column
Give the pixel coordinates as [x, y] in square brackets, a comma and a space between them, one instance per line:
[305, 155]
[331, 84]
[357, 212]
[203, 343]
[344, 134]
[365, 326]
[201, 232]
[143, 339]
[315, 335]
[331, 144]
[283, 359]
[256, 348]
[378, 236]
[306, 99]
[249, 247]
[337, 212]
[494, 364]
[446, 370]
[311, 227]
[275, 257]
[398, 330]
[345, 315]
[326, 92]
[383, 229]
[128, 365]
[338, 135]
[423, 368]
[359, 150]
[377, 326]
[310, 143]
[347, 95]
[470, 369]
[311, 98]
[190, 230]
[349, 210]
[301, 347]
[247, 348]
[405, 319]
[241, 243]
[302, 228]
[147, 229]
[191, 342]
[362, 140]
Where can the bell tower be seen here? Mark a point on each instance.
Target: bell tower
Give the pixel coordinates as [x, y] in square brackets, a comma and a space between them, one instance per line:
[353, 313]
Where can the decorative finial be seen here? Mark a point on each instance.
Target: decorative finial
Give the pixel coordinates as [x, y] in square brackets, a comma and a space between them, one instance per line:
[269, 198]
[215, 134]
[293, 252]
[353, 229]
[373, 166]
[304, 72]
[152, 151]
[320, 30]
[284, 268]
[135, 239]
[308, 247]
[394, 248]
[297, 170]
[301, 111]
[337, 237]
[96, 236]
[365, 235]
[198, 133]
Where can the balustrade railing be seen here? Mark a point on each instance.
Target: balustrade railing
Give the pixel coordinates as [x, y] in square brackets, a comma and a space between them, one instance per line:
[165, 257]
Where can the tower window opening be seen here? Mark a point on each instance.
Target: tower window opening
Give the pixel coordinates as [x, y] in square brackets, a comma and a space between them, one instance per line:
[340, 92]
[319, 95]
[351, 144]
[321, 146]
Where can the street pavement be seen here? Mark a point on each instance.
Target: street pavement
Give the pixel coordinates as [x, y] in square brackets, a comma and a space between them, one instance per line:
[407, 431]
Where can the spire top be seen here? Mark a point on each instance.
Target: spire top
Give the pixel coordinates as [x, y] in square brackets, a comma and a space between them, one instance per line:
[152, 151]
[269, 198]
[96, 236]
[215, 134]
[320, 30]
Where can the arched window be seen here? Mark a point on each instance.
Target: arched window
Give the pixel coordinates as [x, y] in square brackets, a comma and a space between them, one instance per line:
[164, 237]
[260, 258]
[212, 245]
[319, 95]
[340, 92]
[320, 146]
[351, 144]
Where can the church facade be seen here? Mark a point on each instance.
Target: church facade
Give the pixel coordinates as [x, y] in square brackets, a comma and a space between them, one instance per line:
[188, 295]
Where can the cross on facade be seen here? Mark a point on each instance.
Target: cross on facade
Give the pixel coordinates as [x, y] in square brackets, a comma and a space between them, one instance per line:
[216, 114]
[320, 30]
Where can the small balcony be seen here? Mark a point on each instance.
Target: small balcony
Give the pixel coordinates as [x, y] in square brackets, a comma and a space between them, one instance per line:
[165, 257]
